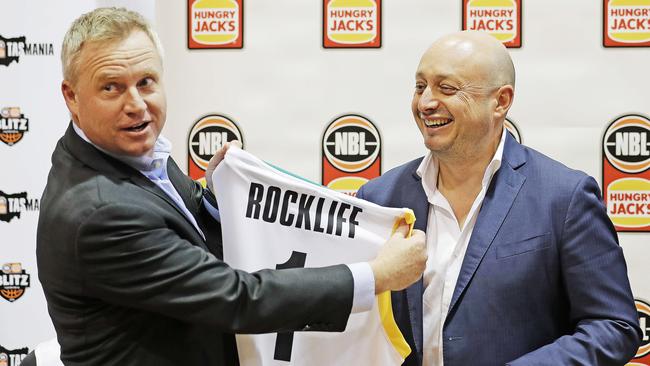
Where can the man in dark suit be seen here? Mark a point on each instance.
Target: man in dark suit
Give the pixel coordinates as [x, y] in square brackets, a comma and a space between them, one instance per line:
[524, 265]
[128, 249]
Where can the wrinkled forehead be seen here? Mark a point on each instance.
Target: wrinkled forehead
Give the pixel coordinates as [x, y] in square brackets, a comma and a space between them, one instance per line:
[135, 44]
[135, 47]
[457, 61]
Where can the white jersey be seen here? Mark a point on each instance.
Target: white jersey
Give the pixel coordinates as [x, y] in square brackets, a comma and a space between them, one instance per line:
[310, 226]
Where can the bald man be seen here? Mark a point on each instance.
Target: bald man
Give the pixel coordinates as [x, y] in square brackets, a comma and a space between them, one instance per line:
[524, 265]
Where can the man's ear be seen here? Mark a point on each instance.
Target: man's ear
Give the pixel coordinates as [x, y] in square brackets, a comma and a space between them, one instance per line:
[504, 98]
[70, 97]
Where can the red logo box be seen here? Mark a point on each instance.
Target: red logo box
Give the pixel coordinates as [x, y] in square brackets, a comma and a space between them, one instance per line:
[626, 23]
[500, 18]
[351, 23]
[215, 24]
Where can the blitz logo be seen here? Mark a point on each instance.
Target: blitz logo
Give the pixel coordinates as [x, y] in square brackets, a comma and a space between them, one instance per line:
[13, 125]
[13, 281]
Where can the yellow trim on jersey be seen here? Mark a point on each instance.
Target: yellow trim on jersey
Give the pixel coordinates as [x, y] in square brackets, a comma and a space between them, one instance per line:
[386, 308]
[390, 327]
[409, 217]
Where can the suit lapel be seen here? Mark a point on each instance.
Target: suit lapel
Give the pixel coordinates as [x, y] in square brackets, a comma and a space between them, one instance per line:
[95, 159]
[500, 196]
[415, 198]
[146, 184]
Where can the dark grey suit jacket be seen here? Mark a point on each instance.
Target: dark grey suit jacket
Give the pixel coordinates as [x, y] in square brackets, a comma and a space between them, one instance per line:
[129, 280]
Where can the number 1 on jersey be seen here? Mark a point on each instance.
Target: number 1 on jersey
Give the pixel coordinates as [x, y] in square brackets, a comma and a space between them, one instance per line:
[284, 341]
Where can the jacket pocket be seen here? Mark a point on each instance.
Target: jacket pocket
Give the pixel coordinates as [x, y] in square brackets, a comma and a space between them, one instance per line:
[534, 243]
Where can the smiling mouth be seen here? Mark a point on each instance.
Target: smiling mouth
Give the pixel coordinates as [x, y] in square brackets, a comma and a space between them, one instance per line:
[436, 122]
[139, 127]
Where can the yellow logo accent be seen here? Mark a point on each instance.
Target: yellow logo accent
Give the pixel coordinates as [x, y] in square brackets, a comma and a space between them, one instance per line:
[352, 21]
[628, 202]
[629, 20]
[496, 17]
[347, 185]
[215, 22]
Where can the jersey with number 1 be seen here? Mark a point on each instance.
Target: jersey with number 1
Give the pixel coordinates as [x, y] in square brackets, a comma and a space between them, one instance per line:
[309, 226]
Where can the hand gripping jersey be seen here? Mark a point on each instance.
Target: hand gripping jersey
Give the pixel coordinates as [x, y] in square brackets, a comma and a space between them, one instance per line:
[310, 226]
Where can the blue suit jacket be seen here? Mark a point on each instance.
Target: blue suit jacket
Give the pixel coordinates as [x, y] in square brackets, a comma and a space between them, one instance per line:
[543, 281]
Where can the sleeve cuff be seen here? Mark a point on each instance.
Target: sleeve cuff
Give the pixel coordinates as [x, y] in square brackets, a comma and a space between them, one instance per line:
[364, 287]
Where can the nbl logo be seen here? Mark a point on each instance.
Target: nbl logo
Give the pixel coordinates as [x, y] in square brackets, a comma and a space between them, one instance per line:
[626, 177]
[13, 125]
[627, 144]
[351, 143]
[351, 153]
[13, 282]
[206, 137]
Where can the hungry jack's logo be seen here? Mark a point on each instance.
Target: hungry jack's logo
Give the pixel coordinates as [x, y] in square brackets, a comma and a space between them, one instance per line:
[13, 125]
[626, 23]
[12, 357]
[207, 136]
[626, 173]
[13, 281]
[642, 357]
[499, 18]
[215, 24]
[351, 153]
[351, 23]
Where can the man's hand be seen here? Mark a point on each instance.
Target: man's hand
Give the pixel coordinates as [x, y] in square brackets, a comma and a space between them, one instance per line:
[400, 262]
[216, 159]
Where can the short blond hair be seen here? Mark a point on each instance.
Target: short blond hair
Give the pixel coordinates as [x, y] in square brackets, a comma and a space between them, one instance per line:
[101, 25]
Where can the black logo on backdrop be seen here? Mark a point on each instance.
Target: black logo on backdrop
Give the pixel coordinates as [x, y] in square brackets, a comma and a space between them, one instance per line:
[12, 357]
[12, 205]
[11, 49]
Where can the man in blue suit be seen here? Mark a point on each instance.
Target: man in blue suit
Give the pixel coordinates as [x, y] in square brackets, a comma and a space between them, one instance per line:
[524, 265]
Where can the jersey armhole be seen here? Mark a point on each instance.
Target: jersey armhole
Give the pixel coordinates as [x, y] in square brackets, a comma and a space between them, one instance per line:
[385, 306]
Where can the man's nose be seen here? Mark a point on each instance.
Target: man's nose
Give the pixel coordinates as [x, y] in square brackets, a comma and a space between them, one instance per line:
[427, 101]
[135, 106]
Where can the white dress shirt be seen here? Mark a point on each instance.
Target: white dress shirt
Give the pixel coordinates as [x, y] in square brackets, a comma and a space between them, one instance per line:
[446, 245]
[154, 167]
